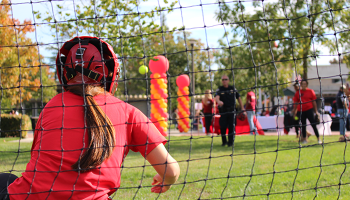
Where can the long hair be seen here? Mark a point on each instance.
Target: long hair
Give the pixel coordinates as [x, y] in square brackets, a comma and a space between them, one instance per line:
[101, 133]
[207, 95]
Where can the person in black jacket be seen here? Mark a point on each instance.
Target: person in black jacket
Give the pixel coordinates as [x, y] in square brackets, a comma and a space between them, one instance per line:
[342, 109]
[226, 97]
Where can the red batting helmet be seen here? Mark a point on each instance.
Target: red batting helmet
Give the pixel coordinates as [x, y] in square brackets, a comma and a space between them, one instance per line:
[79, 61]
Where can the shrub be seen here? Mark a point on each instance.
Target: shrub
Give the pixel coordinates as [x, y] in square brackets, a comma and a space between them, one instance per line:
[14, 125]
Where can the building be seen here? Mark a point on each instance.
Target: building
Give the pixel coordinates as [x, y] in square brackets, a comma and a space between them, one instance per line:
[326, 80]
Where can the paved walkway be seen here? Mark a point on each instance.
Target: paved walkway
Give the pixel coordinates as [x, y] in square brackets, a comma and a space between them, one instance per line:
[175, 132]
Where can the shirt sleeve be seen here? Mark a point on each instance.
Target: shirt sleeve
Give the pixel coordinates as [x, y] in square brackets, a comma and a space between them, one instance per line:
[296, 98]
[313, 95]
[237, 94]
[217, 92]
[341, 97]
[144, 135]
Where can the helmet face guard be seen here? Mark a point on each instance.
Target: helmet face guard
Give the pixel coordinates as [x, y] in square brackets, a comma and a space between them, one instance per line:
[87, 60]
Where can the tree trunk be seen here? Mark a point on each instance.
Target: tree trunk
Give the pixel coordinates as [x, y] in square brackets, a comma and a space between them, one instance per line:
[305, 65]
[305, 59]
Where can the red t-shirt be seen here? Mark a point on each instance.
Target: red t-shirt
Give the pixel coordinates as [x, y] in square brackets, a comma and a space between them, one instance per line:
[349, 106]
[251, 98]
[59, 141]
[209, 107]
[307, 97]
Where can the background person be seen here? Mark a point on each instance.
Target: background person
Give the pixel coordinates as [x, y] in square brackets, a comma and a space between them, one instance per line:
[175, 116]
[288, 120]
[295, 121]
[196, 120]
[306, 108]
[342, 109]
[226, 97]
[83, 135]
[208, 104]
[14, 112]
[250, 108]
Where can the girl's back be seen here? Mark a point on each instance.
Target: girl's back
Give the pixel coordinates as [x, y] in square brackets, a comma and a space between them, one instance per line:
[60, 139]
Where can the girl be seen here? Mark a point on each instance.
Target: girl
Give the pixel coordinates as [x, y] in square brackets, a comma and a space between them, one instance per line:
[306, 108]
[208, 104]
[84, 134]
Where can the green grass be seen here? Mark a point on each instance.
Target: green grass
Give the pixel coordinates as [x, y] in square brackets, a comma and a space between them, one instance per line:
[207, 178]
[10, 159]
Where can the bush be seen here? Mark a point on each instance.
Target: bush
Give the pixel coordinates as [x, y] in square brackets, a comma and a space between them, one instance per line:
[14, 125]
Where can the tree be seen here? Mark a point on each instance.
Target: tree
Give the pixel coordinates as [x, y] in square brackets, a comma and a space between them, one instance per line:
[295, 25]
[135, 36]
[252, 58]
[311, 21]
[173, 46]
[22, 76]
[47, 89]
[117, 22]
[19, 59]
[339, 25]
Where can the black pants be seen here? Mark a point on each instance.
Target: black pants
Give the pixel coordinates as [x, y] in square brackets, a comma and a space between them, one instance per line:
[208, 117]
[5, 180]
[309, 114]
[296, 125]
[227, 121]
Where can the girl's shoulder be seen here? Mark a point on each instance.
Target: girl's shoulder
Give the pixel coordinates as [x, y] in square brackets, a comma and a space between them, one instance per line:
[111, 100]
[310, 91]
[63, 99]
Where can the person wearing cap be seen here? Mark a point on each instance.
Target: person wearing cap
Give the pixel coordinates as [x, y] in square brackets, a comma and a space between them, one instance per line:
[84, 134]
[342, 110]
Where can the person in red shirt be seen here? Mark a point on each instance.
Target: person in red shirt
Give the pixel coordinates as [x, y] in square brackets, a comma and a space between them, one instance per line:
[84, 134]
[208, 104]
[250, 109]
[306, 108]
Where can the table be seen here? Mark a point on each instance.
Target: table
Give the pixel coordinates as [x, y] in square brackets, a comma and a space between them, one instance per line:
[275, 123]
[271, 122]
[242, 127]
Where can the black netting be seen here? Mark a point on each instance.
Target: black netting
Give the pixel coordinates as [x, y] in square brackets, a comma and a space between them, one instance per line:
[265, 47]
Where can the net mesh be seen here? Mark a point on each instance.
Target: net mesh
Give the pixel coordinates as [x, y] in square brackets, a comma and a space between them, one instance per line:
[262, 46]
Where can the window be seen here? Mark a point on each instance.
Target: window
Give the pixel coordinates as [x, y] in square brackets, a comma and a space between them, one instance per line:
[335, 80]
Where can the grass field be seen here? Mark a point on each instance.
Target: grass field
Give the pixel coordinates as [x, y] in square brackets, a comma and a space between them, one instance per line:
[210, 171]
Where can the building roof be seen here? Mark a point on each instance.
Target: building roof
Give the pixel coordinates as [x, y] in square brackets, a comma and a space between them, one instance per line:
[288, 92]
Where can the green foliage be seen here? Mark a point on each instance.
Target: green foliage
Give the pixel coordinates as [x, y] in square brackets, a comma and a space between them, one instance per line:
[118, 22]
[22, 75]
[339, 25]
[136, 38]
[180, 62]
[15, 125]
[292, 25]
[19, 58]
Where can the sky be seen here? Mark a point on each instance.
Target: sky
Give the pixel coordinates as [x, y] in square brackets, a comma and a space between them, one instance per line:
[200, 20]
